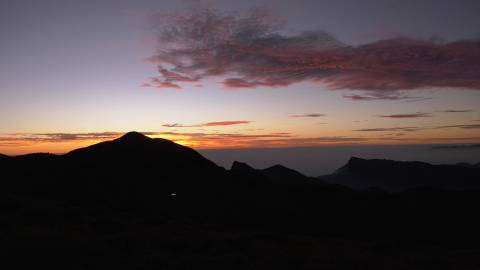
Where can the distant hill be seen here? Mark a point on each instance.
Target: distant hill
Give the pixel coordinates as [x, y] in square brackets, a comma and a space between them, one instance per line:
[275, 175]
[282, 175]
[464, 164]
[400, 175]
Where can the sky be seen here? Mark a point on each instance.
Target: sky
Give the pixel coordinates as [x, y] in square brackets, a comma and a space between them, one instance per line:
[239, 74]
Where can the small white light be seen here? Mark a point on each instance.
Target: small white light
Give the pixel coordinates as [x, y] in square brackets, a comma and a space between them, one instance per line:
[173, 194]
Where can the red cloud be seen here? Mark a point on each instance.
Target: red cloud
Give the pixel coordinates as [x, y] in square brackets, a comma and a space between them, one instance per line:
[209, 124]
[250, 51]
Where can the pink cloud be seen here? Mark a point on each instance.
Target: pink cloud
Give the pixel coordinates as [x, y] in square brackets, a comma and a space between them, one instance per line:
[250, 51]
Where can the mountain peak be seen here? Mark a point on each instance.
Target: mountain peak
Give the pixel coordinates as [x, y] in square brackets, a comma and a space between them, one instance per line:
[240, 166]
[355, 159]
[282, 170]
[134, 136]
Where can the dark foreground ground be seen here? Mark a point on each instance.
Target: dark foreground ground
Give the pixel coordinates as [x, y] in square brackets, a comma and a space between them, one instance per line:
[111, 206]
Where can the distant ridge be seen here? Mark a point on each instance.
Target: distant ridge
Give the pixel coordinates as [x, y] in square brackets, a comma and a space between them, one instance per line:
[400, 175]
[286, 176]
[276, 174]
[241, 166]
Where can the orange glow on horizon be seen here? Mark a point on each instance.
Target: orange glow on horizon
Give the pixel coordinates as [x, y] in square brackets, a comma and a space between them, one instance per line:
[18, 146]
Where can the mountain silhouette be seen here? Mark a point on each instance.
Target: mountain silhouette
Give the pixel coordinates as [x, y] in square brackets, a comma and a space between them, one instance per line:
[244, 172]
[282, 175]
[143, 203]
[133, 169]
[400, 175]
[135, 147]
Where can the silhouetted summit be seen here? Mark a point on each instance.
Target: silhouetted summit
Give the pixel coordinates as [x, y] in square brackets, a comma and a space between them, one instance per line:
[129, 170]
[247, 176]
[134, 148]
[133, 137]
[241, 166]
[282, 175]
[400, 175]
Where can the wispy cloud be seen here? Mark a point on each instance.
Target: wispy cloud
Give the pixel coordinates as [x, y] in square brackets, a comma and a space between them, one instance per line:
[199, 140]
[475, 126]
[308, 115]
[250, 50]
[406, 115]
[455, 111]
[238, 140]
[457, 146]
[393, 95]
[22, 139]
[208, 124]
[159, 83]
[205, 140]
[414, 129]
[404, 129]
[48, 137]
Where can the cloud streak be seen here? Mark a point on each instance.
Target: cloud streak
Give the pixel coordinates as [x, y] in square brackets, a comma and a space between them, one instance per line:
[414, 129]
[457, 146]
[217, 140]
[249, 51]
[456, 111]
[394, 95]
[199, 140]
[406, 115]
[475, 126]
[208, 124]
[308, 115]
[403, 129]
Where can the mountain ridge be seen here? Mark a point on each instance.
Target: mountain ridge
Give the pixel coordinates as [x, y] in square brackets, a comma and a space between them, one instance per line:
[142, 203]
[359, 173]
[400, 175]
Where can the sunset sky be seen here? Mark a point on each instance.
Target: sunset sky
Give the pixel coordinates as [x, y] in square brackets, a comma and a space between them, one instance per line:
[239, 74]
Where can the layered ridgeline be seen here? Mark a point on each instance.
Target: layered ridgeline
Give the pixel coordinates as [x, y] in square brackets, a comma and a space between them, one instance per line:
[137, 202]
[136, 160]
[135, 168]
